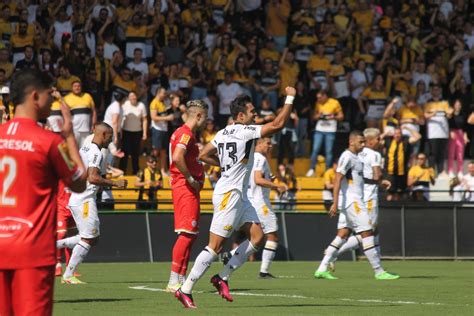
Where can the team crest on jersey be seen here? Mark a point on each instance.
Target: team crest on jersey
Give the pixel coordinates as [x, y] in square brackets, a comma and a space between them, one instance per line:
[228, 228]
[185, 139]
[64, 150]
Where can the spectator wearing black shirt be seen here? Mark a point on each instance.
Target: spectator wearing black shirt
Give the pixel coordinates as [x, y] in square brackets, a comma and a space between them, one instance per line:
[303, 111]
[29, 61]
[457, 139]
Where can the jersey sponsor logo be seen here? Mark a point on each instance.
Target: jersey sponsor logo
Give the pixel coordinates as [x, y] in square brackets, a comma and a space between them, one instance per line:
[21, 145]
[228, 228]
[185, 139]
[11, 226]
[252, 128]
[64, 151]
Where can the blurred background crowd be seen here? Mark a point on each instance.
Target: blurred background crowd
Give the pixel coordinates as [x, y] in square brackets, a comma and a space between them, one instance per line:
[405, 67]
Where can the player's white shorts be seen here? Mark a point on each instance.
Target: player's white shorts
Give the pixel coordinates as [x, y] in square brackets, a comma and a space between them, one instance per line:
[373, 210]
[267, 217]
[355, 217]
[230, 213]
[87, 219]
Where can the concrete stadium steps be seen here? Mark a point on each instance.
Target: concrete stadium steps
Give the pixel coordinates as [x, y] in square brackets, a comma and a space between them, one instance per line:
[310, 193]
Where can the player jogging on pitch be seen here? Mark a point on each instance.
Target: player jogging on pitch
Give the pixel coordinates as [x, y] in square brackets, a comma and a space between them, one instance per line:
[232, 149]
[349, 200]
[83, 205]
[259, 197]
[32, 160]
[372, 160]
[187, 178]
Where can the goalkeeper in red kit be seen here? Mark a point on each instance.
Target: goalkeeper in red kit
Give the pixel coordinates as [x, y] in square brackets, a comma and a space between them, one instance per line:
[187, 178]
[32, 161]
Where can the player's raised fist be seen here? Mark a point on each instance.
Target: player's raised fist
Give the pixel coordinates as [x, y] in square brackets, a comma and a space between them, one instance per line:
[290, 91]
[121, 183]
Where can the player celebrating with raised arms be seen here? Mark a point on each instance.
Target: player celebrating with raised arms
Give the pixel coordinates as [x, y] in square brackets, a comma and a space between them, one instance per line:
[83, 205]
[187, 178]
[349, 201]
[32, 160]
[233, 150]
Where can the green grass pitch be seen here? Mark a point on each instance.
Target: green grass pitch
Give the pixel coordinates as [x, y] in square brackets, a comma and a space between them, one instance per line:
[426, 288]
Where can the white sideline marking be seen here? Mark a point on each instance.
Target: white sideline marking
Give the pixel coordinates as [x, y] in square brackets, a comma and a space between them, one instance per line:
[146, 288]
[391, 302]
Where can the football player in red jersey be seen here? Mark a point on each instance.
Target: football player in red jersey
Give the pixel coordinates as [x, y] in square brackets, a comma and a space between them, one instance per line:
[187, 178]
[32, 160]
[65, 223]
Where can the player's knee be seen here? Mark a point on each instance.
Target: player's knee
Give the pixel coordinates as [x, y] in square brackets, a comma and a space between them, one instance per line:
[91, 241]
[366, 233]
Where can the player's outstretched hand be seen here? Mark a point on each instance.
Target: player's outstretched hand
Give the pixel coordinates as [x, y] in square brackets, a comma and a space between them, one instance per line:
[333, 210]
[290, 91]
[282, 188]
[66, 128]
[386, 184]
[121, 183]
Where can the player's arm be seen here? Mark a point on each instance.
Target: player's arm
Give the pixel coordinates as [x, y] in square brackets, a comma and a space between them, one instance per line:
[280, 120]
[180, 163]
[209, 155]
[261, 181]
[335, 194]
[77, 185]
[94, 177]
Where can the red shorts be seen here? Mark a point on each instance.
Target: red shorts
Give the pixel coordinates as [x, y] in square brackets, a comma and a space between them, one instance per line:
[27, 291]
[186, 209]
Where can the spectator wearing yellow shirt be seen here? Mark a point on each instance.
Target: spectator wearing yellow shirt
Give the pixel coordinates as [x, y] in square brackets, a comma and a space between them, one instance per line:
[270, 51]
[364, 17]
[149, 180]
[209, 132]
[65, 80]
[303, 43]
[375, 99]
[318, 69]
[19, 41]
[191, 16]
[327, 113]
[5, 63]
[83, 112]
[329, 177]
[289, 70]
[159, 127]
[278, 12]
[437, 112]
[419, 178]
[410, 117]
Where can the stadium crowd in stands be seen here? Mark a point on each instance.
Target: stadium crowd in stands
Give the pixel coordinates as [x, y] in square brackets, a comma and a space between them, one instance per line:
[404, 67]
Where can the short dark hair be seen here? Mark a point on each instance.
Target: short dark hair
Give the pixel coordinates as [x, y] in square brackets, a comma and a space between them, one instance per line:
[26, 80]
[239, 105]
[356, 133]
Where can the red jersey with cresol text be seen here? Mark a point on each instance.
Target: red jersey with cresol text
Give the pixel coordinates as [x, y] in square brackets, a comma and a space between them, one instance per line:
[32, 160]
[183, 137]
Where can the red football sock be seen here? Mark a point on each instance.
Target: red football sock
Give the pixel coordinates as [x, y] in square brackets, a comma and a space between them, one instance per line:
[181, 252]
[59, 252]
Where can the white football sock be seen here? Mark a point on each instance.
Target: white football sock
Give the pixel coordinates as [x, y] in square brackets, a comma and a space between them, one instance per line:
[241, 255]
[351, 244]
[377, 244]
[79, 253]
[268, 255]
[331, 252]
[68, 242]
[371, 253]
[174, 278]
[181, 278]
[202, 263]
